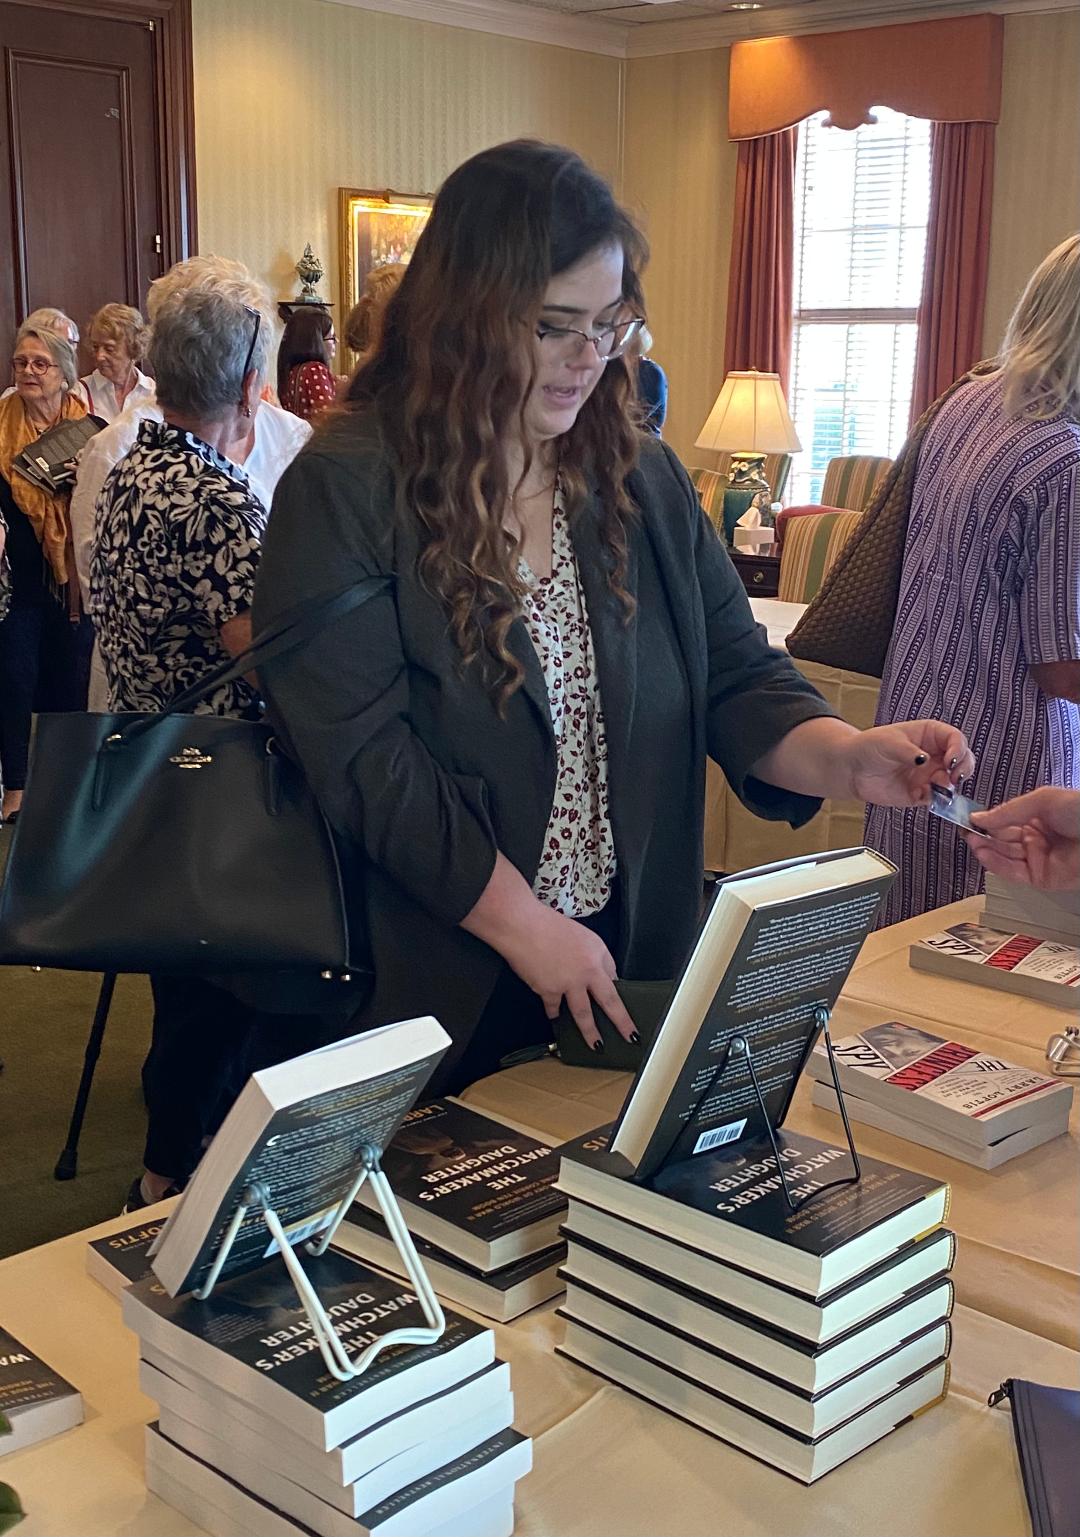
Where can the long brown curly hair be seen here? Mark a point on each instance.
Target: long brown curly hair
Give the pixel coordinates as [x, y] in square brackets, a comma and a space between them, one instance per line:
[452, 371]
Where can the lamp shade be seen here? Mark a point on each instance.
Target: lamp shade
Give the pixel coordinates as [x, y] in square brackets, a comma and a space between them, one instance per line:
[750, 414]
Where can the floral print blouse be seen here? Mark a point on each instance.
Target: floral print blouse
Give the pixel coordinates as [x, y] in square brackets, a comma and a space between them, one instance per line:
[178, 533]
[577, 866]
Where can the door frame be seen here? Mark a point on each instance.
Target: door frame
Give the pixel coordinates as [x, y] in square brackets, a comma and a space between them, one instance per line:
[170, 23]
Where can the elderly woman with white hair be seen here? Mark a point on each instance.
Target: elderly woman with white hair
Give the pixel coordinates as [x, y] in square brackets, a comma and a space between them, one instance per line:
[273, 439]
[177, 540]
[44, 641]
[987, 628]
[118, 337]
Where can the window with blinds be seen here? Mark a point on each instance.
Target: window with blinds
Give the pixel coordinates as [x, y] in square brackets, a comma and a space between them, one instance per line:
[861, 205]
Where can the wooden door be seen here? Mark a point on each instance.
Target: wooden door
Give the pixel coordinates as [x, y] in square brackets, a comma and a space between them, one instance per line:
[82, 131]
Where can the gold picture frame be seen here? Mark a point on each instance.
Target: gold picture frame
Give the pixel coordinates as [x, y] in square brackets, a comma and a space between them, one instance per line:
[375, 229]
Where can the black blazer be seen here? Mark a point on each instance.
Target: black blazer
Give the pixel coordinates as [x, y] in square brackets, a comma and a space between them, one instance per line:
[414, 767]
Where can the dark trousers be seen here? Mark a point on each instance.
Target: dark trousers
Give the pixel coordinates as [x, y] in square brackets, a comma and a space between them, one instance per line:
[44, 665]
[514, 1019]
[204, 1046]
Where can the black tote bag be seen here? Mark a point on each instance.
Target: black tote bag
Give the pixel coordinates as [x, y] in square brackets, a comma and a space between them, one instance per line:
[177, 843]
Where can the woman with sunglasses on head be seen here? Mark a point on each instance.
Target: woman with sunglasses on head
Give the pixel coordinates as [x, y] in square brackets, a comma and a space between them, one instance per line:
[512, 736]
[44, 640]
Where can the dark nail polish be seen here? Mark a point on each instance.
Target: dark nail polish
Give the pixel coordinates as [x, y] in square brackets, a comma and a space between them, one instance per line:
[635, 1039]
[597, 1045]
[920, 759]
[952, 763]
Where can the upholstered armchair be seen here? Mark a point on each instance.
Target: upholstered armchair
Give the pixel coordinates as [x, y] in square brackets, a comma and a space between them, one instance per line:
[811, 544]
[850, 481]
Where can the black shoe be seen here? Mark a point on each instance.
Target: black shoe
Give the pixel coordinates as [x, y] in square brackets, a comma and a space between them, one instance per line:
[136, 1201]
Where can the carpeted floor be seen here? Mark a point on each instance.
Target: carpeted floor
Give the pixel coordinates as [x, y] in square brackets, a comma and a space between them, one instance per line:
[44, 1021]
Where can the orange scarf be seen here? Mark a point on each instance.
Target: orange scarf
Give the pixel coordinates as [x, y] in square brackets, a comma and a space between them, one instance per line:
[48, 515]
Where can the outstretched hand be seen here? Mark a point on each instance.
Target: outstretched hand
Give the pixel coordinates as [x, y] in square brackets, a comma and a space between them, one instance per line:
[896, 765]
[1034, 839]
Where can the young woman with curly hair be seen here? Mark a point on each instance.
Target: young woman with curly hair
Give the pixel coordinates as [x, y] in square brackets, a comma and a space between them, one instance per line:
[512, 737]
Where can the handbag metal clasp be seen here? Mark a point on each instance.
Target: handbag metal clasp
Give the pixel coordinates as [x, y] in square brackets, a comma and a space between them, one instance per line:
[191, 758]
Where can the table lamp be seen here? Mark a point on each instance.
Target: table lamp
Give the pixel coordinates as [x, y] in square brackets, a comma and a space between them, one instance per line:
[750, 419]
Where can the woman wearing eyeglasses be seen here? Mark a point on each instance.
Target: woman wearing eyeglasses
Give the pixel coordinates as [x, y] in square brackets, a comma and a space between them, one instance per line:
[513, 736]
[44, 641]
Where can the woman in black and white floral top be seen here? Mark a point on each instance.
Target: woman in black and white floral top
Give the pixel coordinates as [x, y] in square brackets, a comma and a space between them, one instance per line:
[177, 539]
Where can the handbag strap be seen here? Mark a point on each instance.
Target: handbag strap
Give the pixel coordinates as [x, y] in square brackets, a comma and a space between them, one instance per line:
[290, 631]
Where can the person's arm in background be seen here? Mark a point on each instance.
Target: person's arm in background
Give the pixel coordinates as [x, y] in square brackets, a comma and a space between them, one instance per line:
[342, 702]
[99, 456]
[1034, 838]
[778, 742]
[1050, 598]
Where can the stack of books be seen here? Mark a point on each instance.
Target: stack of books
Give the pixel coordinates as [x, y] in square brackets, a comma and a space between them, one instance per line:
[972, 1105]
[260, 1428]
[800, 1338]
[480, 1201]
[1015, 962]
[253, 1433]
[35, 1400]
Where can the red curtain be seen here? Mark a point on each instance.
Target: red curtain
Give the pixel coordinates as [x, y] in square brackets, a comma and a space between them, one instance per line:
[957, 252]
[763, 257]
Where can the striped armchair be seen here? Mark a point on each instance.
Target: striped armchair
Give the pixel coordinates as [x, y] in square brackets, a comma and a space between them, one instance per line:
[851, 481]
[711, 486]
[811, 544]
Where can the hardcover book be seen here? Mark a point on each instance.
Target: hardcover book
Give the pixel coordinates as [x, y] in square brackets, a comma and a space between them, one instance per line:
[989, 1156]
[204, 1403]
[806, 1366]
[1016, 963]
[730, 1203]
[803, 1457]
[295, 1131]
[499, 1294]
[974, 1096]
[121, 1258]
[1020, 909]
[771, 1303]
[776, 947]
[475, 1496]
[36, 1401]
[253, 1337]
[805, 1414]
[472, 1186]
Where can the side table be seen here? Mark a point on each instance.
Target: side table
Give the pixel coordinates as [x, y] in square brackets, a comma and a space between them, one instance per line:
[760, 574]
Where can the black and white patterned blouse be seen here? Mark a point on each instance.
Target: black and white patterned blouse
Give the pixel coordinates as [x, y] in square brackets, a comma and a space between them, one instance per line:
[178, 533]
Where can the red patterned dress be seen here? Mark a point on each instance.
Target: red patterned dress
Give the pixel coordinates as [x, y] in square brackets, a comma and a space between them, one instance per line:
[310, 388]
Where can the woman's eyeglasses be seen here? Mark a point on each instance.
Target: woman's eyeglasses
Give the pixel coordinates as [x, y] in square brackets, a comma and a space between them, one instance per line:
[610, 341]
[23, 365]
[257, 317]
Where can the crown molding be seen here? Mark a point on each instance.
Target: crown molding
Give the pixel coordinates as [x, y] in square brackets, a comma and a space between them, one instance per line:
[504, 19]
[660, 37]
[621, 40]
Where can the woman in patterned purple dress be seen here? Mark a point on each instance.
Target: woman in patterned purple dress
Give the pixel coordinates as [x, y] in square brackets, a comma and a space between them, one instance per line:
[987, 630]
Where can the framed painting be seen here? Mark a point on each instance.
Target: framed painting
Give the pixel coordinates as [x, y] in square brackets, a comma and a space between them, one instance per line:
[375, 229]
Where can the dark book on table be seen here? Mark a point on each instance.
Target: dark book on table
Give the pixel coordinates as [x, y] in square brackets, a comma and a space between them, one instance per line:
[35, 1400]
[123, 1257]
[591, 1231]
[730, 1203]
[776, 947]
[805, 1458]
[296, 1130]
[473, 1186]
[253, 1337]
[498, 1294]
[477, 1490]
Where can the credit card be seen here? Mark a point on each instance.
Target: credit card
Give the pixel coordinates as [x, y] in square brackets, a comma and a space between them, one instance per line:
[951, 806]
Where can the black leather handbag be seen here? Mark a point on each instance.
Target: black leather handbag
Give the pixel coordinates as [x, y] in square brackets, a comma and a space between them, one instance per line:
[175, 842]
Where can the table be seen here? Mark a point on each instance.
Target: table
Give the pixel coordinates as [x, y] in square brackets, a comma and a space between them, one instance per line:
[759, 573]
[606, 1464]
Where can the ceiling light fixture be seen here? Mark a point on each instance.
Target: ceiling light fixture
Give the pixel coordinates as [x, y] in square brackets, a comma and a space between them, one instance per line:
[746, 5]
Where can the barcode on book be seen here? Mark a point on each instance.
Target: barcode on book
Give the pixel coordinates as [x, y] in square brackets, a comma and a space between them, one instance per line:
[719, 1135]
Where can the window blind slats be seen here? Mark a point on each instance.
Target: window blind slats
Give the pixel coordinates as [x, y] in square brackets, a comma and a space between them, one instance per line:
[861, 208]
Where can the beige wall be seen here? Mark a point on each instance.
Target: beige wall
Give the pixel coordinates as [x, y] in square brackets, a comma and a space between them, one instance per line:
[679, 176]
[1036, 158]
[679, 171]
[296, 98]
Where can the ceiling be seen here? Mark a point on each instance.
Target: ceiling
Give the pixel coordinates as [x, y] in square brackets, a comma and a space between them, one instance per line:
[749, 20]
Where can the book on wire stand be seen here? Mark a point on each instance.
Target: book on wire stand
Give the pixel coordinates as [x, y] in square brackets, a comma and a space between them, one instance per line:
[289, 1159]
[767, 967]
